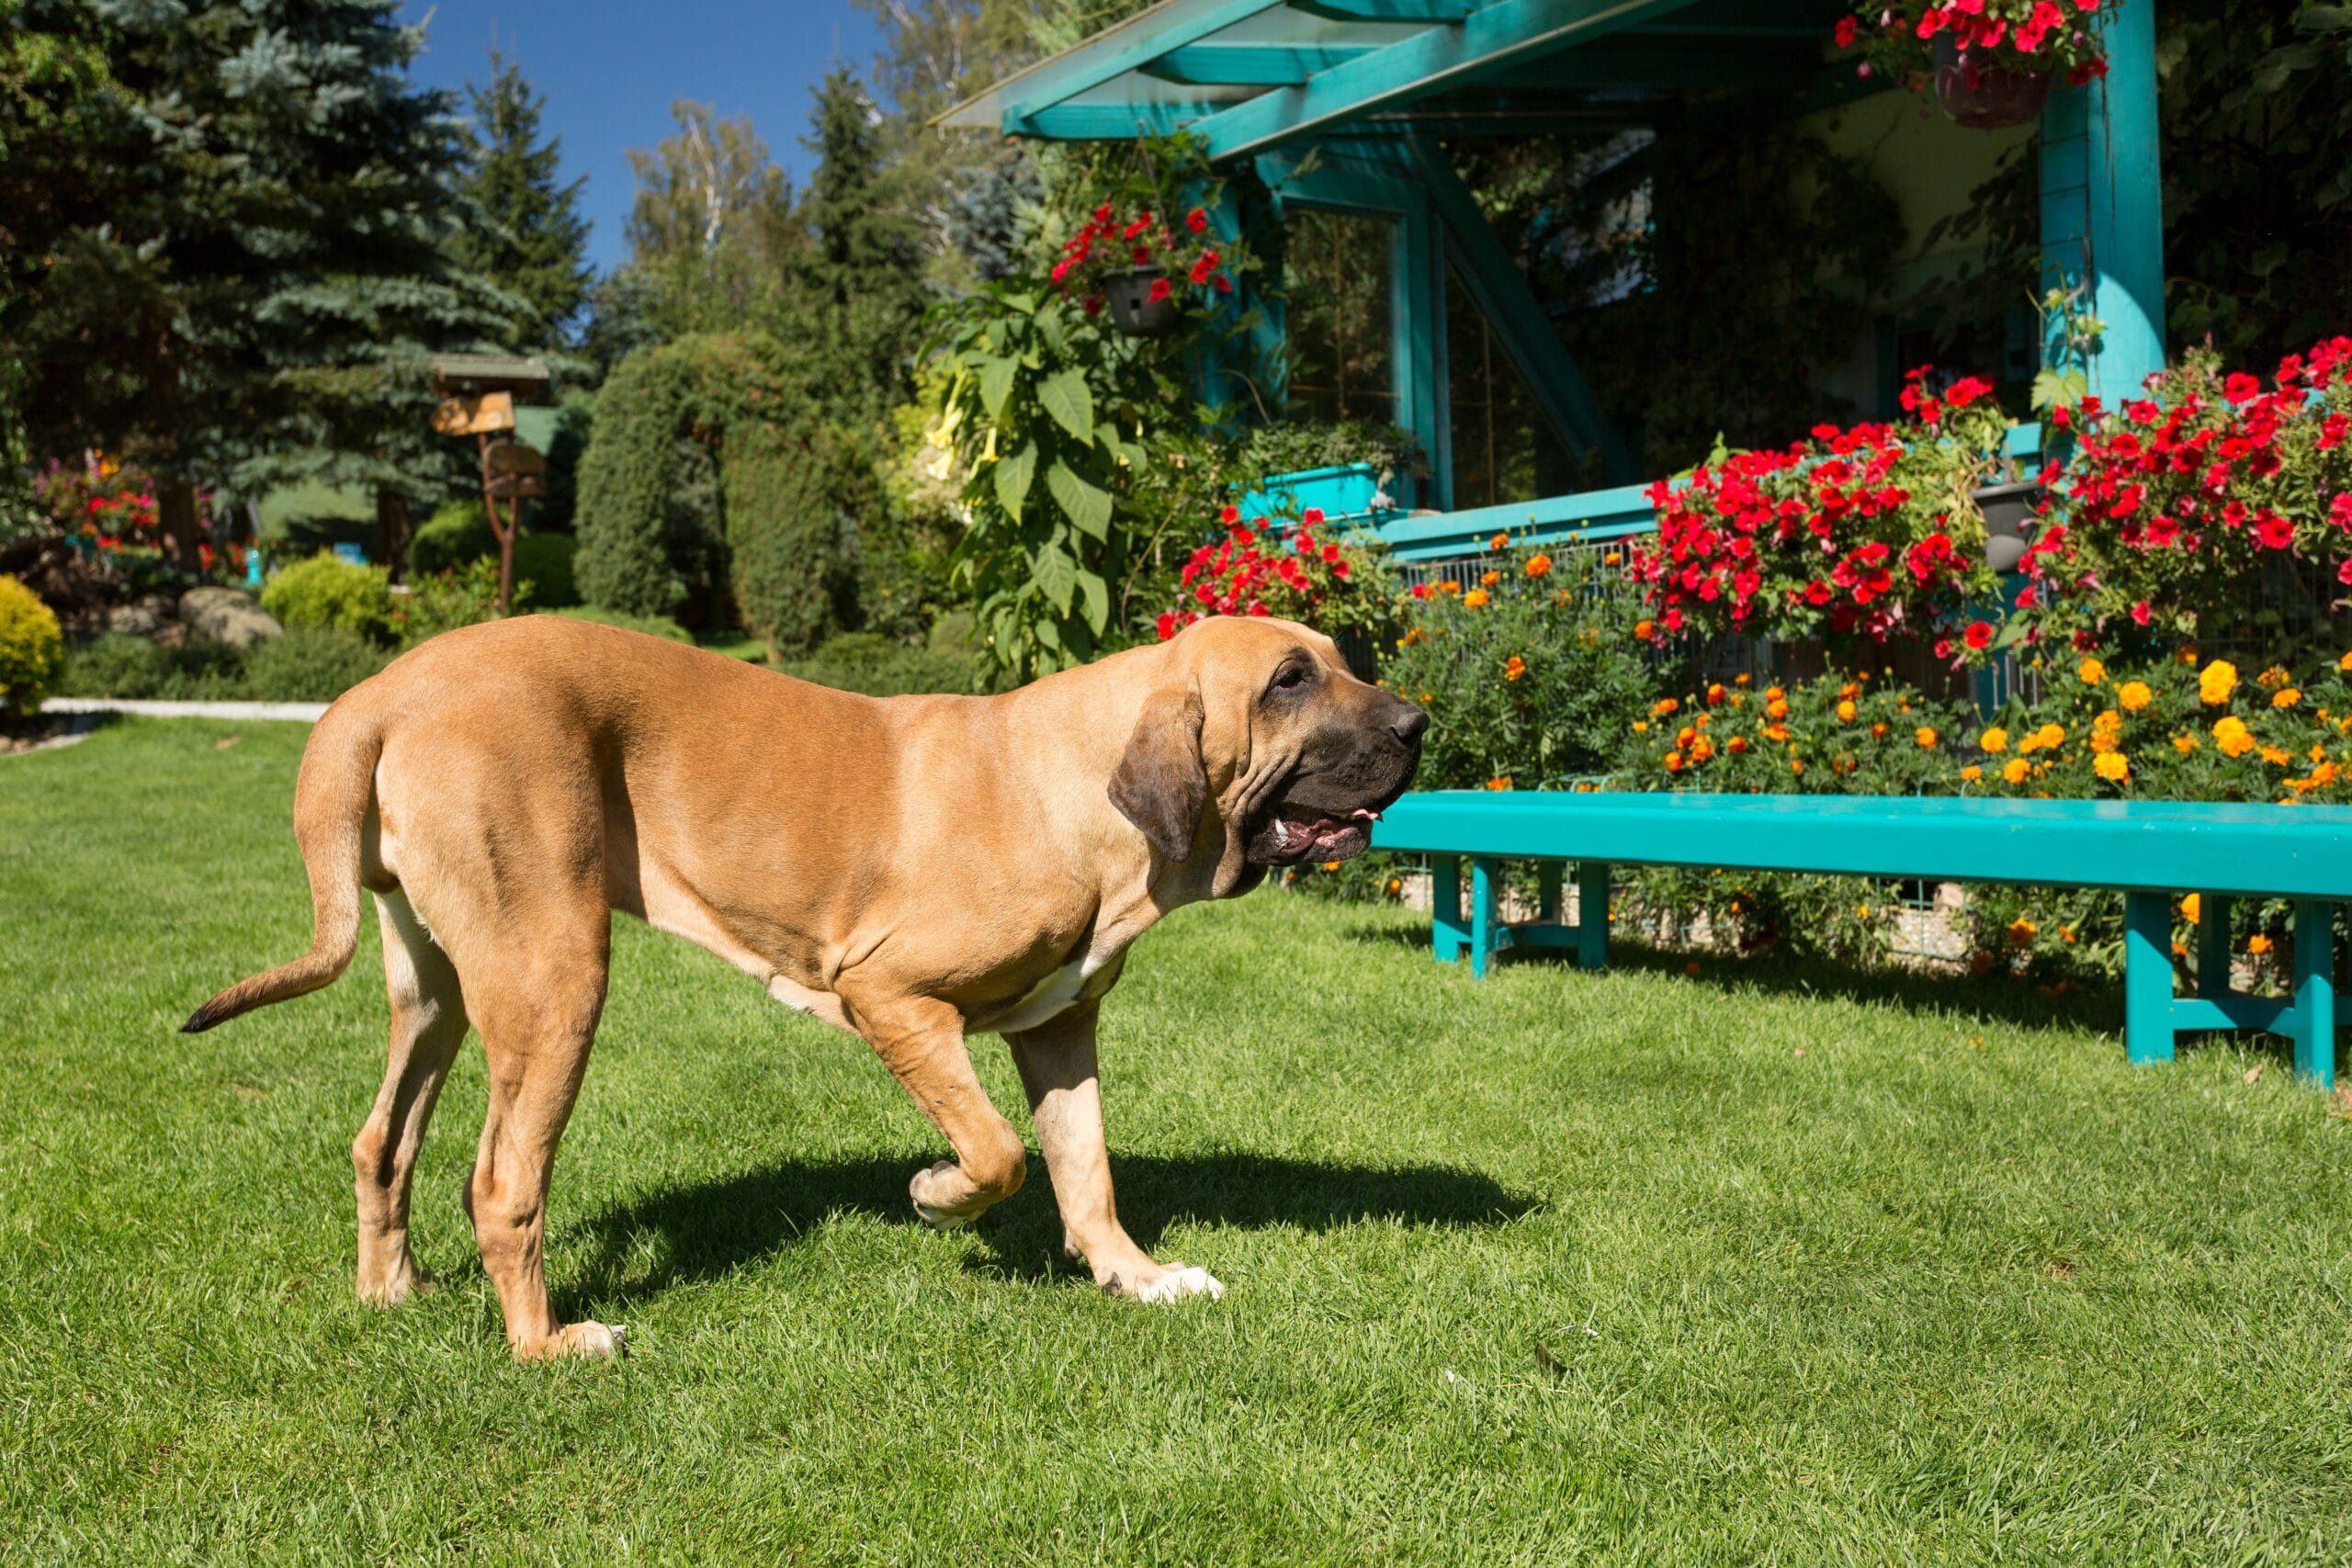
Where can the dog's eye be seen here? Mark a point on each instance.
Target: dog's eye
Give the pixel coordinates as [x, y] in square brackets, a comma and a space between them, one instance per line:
[1290, 677]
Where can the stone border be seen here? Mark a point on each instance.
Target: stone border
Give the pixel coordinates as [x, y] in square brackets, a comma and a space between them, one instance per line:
[304, 713]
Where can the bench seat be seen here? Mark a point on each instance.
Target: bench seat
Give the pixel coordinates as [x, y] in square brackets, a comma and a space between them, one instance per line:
[2148, 850]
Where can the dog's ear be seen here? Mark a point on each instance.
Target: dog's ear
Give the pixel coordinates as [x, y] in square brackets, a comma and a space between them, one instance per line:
[1162, 785]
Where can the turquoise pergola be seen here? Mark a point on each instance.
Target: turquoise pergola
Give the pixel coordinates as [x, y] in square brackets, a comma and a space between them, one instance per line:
[1367, 86]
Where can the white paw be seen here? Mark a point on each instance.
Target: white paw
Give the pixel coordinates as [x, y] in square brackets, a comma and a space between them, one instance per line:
[1179, 1283]
[939, 1219]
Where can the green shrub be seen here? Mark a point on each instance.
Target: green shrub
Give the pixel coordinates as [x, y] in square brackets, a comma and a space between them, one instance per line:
[458, 533]
[862, 661]
[132, 668]
[545, 562]
[783, 536]
[462, 596]
[652, 625]
[325, 592]
[309, 664]
[31, 647]
[626, 480]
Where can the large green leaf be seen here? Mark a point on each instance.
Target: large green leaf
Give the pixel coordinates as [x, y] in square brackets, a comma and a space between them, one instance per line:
[995, 382]
[1067, 398]
[1014, 475]
[1087, 506]
[1057, 576]
[1094, 599]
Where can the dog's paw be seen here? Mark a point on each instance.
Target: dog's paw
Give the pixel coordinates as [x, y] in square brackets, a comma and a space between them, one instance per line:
[584, 1340]
[1175, 1283]
[928, 1181]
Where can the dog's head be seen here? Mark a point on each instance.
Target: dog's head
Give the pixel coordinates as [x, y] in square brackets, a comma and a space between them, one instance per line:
[1257, 731]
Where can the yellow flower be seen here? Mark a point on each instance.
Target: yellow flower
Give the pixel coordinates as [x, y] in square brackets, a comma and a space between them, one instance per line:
[1474, 600]
[1862, 911]
[2216, 682]
[2285, 697]
[1740, 680]
[2231, 736]
[2021, 932]
[1972, 772]
[2110, 766]
[1641, 726]
[1331, 866]
[1702, 748]
[1612, 559]
[2257, 945]
[1537, 566]
[2193, 908]
[2274, 676]
[2345, 662]
[2107, 723]
[2135, 695]
[2050, 738]
[1926, 738]
[1776, 707]
[2091, 670]
[2016, 770]
[2277, 756]
[1994, 740]
[2184, 744]
[1845, 712]
[1663, 706]
[1797, 766]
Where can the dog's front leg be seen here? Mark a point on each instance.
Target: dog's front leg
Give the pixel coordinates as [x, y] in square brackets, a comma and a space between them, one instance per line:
[921, 1042]
[1057, 1063]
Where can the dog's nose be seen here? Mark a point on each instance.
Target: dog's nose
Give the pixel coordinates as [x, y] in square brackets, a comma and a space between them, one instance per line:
[1407, 726]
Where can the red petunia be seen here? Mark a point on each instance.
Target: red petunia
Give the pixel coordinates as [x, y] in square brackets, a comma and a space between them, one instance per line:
[1979, 634]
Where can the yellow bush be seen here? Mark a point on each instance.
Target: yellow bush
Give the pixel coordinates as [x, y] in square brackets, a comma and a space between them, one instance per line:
[32, 648]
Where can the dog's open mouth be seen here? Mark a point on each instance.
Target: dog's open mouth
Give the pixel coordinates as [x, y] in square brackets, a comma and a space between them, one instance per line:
[1307, 832]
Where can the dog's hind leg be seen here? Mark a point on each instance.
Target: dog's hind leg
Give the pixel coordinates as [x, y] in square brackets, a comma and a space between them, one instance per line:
[428, 1024]
[536, 1004]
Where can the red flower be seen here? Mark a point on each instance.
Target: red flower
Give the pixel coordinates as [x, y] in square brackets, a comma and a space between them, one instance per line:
[1197, 221]
[1159, 289]
[2141, 614]
[1849, 28]
[1170, 625]
[1979, 634]
[2241, 387]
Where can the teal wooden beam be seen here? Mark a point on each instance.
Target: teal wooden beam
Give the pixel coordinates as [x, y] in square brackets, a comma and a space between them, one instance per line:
[1129, 46]
[1427, 62]
[2102, 207]
[1501, 292]
[1248, 369]
[1110, 122]
[1252, 64]
[1389, 10]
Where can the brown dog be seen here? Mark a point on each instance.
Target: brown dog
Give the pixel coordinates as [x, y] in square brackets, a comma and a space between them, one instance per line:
[916, 870]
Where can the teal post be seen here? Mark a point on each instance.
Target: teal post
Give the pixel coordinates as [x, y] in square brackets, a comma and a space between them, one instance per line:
[2147, 977]
[2102, 205]
[1482, 915]
[1416, 356]
[1447, 932]
[1592, 914]
[1548, 890]
[2212, 947]
[1241, 367]
[2315, 991]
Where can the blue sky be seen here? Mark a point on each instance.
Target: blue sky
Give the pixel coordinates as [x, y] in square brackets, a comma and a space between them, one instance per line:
[609, 73]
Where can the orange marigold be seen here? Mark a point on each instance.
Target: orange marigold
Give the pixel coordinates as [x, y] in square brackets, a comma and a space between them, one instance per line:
[1925, 736]
[1474, 600]
[2134, 695]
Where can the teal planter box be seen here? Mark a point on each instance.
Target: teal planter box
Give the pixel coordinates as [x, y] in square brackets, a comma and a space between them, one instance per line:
[1344, 491]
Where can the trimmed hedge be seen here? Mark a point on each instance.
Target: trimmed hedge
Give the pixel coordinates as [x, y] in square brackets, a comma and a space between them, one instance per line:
[783, 536]
[31, 647]
[868, 662]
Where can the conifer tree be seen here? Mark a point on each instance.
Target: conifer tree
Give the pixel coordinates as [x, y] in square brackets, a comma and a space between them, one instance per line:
[528, 235]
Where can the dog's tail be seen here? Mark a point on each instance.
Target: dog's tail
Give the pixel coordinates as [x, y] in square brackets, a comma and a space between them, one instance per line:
[332, 796]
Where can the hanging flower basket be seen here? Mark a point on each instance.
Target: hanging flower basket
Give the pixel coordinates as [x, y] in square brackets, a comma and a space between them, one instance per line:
[1143, 303]
[2007, 509]
[1985, 91]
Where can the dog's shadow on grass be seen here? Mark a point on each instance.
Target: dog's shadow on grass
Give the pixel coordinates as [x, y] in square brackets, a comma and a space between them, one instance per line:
[708, 1229]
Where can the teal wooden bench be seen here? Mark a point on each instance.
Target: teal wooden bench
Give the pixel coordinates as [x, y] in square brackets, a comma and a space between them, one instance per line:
[2150, 851]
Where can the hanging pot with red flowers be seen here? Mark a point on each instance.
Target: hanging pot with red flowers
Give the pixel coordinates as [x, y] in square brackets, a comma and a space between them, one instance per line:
[1992, 63]
[1143, 302]
[1985, 91]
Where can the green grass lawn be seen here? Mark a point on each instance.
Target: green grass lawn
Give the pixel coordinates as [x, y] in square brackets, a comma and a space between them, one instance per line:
[1789, 1266]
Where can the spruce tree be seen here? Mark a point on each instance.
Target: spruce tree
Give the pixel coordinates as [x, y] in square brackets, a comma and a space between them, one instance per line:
[863, 269]
[263, 267]
[528, 235]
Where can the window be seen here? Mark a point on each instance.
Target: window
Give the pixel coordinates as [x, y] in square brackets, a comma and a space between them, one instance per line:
[1335, 267]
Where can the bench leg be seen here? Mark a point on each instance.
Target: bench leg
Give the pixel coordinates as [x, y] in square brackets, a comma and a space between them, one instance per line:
[1548, 890]
[2315, 991]
[1483, 874]
[2147, 977]
[1447, 931]
[1592, 914]
[2212, 947]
